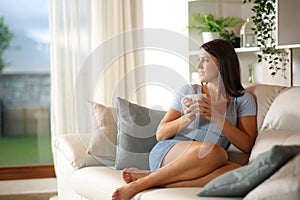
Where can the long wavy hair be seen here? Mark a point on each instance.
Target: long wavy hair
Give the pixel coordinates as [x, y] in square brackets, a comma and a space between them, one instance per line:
[229, 65]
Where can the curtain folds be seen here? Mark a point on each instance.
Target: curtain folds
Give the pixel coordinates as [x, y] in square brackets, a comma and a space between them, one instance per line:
[79, 29]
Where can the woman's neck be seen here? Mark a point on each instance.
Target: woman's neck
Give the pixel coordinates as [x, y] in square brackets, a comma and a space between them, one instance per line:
[217, 92]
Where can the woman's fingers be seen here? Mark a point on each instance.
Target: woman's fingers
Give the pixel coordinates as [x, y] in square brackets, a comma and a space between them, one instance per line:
[190, 108]
[187, 102]
[205, 107]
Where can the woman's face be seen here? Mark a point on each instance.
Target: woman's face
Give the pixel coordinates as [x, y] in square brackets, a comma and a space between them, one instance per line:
[208, 66]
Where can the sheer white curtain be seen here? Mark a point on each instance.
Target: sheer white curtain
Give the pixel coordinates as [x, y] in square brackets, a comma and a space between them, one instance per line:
[78, 28]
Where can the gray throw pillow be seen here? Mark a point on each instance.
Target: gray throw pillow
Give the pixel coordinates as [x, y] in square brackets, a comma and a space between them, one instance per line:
[238, 182]
[283, 184]
[136, 134]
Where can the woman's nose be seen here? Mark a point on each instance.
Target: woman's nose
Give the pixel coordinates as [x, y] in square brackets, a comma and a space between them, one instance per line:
[200, 66]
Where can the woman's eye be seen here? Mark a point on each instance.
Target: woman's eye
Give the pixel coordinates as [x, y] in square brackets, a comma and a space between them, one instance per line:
[203, 59]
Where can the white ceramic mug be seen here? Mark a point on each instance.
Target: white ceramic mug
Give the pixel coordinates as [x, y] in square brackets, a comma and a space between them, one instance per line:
[195, 97]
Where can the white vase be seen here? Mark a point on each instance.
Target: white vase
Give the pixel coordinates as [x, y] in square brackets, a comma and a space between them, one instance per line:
[208, 36]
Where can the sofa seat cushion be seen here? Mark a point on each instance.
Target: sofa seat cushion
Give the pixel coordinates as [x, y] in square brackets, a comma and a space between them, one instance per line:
[178, 194]
[97, 182]
[100, 182]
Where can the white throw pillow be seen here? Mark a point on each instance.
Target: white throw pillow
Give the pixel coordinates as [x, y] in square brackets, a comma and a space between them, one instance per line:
[284, 113]
[268, 138]
[283, 184]
[103, 140]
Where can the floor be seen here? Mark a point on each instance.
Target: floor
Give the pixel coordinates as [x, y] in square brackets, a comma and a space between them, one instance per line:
[26, 186]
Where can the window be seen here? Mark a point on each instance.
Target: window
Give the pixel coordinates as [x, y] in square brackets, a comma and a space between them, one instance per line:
[25, 87]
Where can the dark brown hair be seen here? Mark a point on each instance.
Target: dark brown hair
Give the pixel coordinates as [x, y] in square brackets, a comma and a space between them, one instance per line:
[229, 65]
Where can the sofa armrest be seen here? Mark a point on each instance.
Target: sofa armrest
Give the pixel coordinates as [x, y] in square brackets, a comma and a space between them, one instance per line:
[73, 149]
[70, 154]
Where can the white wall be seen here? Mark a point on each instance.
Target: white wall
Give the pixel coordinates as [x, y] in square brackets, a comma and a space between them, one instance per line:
[296, 67]
[172, 16]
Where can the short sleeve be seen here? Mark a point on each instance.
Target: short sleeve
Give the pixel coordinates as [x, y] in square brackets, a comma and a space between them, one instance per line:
[246, 105]
[184, 90]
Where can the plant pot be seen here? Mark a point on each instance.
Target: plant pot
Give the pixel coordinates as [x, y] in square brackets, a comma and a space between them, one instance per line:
[208, 36]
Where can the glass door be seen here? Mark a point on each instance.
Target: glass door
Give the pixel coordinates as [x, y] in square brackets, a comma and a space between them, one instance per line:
[25, 142]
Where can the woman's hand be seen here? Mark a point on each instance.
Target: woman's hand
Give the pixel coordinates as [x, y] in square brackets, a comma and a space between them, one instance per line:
[212, 110]
[190, 108]
[205, 107]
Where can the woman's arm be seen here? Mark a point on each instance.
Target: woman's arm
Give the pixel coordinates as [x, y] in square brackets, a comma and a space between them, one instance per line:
[174, 121]
[243, 136]
[169, 125]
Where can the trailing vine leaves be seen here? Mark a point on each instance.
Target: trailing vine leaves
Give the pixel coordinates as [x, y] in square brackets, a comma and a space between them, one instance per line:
[265, 27]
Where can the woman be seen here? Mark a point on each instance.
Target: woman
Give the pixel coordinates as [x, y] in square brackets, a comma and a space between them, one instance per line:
[188, 155]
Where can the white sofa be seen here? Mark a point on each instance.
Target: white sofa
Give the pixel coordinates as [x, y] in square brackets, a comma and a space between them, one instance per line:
[81, 176]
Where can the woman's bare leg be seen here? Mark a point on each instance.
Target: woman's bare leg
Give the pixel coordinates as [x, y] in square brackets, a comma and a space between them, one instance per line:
[182, 163]
[200, 182]
[132, 174]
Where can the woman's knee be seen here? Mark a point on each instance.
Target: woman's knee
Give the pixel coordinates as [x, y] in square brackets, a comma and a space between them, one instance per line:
[211, 151]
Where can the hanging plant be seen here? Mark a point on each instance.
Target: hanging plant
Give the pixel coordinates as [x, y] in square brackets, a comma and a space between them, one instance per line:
[265, 27]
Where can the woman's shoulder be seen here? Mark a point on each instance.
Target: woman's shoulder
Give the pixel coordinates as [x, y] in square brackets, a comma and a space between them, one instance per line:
[187, 89]
[246, 100]
[245, 95]
[187, 86]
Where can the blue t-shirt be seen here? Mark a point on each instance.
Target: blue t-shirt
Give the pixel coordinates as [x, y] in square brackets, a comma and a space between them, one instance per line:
[202, 129]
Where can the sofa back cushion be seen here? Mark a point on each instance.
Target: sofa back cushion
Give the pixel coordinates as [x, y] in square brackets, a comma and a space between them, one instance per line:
[264, 95]
[268, 138]
[284, 113]
[281, 123]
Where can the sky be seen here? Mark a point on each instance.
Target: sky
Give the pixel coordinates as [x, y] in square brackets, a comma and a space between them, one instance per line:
[29, 22]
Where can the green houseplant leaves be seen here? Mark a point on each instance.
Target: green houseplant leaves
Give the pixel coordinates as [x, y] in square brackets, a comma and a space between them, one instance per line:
[207, 22]
[5, 38]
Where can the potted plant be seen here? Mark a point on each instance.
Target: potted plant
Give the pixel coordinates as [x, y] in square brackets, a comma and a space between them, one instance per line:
[212, 27]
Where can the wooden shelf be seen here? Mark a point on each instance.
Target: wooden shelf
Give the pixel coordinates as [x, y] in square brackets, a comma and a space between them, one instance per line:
[238, 50]
[247, 49]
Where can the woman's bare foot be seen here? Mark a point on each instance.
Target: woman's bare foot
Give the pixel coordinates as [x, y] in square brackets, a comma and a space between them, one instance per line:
[126, 192]
[121, 194]
[132, 174]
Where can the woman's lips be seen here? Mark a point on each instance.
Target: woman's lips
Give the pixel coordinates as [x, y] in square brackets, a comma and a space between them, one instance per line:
[201, 73]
